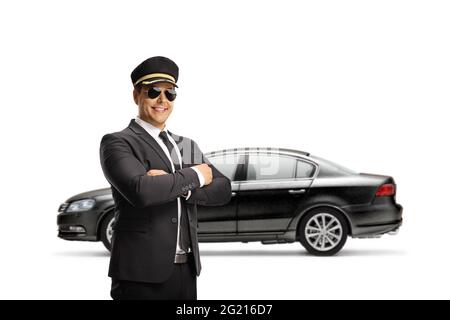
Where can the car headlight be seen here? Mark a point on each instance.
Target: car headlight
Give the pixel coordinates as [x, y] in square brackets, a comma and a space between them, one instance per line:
[81, 205]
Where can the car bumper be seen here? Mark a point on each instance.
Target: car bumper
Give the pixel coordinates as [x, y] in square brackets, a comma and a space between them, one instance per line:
[79, 226]
[375, 219]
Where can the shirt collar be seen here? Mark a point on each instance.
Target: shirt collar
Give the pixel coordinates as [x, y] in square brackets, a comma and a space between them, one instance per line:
[151, 129]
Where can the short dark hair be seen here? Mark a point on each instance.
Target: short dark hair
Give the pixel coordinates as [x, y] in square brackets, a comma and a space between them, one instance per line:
[138, 87]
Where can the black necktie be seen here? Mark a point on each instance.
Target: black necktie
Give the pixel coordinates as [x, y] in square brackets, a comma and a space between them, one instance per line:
[184, 226]
[169, 145]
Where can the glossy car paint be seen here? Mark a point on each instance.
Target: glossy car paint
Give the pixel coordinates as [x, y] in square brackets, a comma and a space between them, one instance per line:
[268, 210]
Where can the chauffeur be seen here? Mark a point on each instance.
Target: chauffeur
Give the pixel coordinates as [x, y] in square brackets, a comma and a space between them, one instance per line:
[157, 179]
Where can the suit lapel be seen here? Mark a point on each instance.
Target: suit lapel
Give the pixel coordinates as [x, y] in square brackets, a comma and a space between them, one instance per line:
[144, 135]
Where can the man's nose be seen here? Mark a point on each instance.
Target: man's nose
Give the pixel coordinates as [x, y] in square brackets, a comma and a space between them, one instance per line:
[162, 97]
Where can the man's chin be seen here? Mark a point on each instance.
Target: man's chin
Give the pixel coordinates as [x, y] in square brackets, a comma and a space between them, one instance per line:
[159, 120]
[155, 120]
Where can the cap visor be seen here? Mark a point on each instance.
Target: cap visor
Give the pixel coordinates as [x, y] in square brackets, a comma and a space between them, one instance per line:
[159, 80]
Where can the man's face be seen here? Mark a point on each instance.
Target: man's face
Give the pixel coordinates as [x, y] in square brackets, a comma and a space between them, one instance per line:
[157, 110]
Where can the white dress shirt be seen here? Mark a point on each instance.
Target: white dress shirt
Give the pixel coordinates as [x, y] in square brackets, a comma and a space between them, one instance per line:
[154, 132]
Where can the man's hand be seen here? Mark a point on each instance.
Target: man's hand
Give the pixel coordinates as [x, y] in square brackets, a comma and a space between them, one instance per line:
[156, 172]
[206, 171]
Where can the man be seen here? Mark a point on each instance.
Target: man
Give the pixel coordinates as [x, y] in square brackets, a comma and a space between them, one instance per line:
[157, 179]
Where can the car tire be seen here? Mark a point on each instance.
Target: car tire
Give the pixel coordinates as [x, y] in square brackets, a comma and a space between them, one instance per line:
[323, 231]
[106, 230]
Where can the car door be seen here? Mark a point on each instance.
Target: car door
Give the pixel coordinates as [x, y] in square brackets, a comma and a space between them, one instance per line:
[222, 220]
[271, 192]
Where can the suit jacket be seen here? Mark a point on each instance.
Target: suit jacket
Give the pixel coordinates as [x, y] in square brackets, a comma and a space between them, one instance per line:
[146, 218]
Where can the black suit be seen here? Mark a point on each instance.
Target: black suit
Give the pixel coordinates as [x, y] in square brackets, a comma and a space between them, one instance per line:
[144, 240]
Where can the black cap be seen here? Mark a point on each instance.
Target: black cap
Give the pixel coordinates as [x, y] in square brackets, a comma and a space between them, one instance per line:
[155, 69]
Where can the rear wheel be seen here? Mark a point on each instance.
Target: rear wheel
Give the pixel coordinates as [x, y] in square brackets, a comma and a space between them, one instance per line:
[106, 230]
[323, 232]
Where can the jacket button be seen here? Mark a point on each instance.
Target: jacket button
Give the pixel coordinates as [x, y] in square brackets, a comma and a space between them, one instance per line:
[174, 220]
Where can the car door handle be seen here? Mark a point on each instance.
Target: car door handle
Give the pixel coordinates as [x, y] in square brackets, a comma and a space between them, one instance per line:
[233, 194]
[297, 191]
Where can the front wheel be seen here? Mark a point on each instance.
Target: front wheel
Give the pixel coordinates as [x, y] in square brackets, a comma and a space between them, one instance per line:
[323, 232]
[106, 230]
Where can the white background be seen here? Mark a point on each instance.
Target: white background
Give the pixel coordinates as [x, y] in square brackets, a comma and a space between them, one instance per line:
[362, 83]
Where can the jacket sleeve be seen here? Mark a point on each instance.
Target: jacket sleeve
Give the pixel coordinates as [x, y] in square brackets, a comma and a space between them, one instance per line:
[217, 193]
[129, 177]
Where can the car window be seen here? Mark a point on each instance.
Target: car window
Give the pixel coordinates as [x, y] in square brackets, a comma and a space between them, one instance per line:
[334, 167]
[270, 166]
[226, 164]
[304, 169]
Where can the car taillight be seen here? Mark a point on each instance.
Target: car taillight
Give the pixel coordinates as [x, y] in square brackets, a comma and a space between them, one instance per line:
[385, 190]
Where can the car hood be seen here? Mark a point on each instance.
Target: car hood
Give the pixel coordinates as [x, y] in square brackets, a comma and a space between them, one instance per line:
[90, 194]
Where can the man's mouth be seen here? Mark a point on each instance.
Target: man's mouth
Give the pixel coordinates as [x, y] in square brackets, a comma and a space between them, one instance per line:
[159, 109]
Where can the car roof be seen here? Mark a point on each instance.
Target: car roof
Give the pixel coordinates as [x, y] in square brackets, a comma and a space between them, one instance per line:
[323, 163]
[258, 149]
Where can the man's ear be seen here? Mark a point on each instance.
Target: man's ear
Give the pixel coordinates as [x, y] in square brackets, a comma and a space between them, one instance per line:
[135, 96]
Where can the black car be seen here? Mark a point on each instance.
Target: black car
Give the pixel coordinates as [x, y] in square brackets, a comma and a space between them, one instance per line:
[278, 196]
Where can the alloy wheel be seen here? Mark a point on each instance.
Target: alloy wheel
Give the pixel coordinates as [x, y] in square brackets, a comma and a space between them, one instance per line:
[323, 231]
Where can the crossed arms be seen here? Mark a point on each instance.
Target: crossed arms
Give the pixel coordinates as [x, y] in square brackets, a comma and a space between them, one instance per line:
[140, 188]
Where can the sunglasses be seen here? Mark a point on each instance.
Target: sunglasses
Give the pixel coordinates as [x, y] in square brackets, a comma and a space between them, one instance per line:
[154, 92]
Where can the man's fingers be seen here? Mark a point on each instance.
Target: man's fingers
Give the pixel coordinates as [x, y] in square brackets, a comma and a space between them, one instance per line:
[206, 171]
[156, 172]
